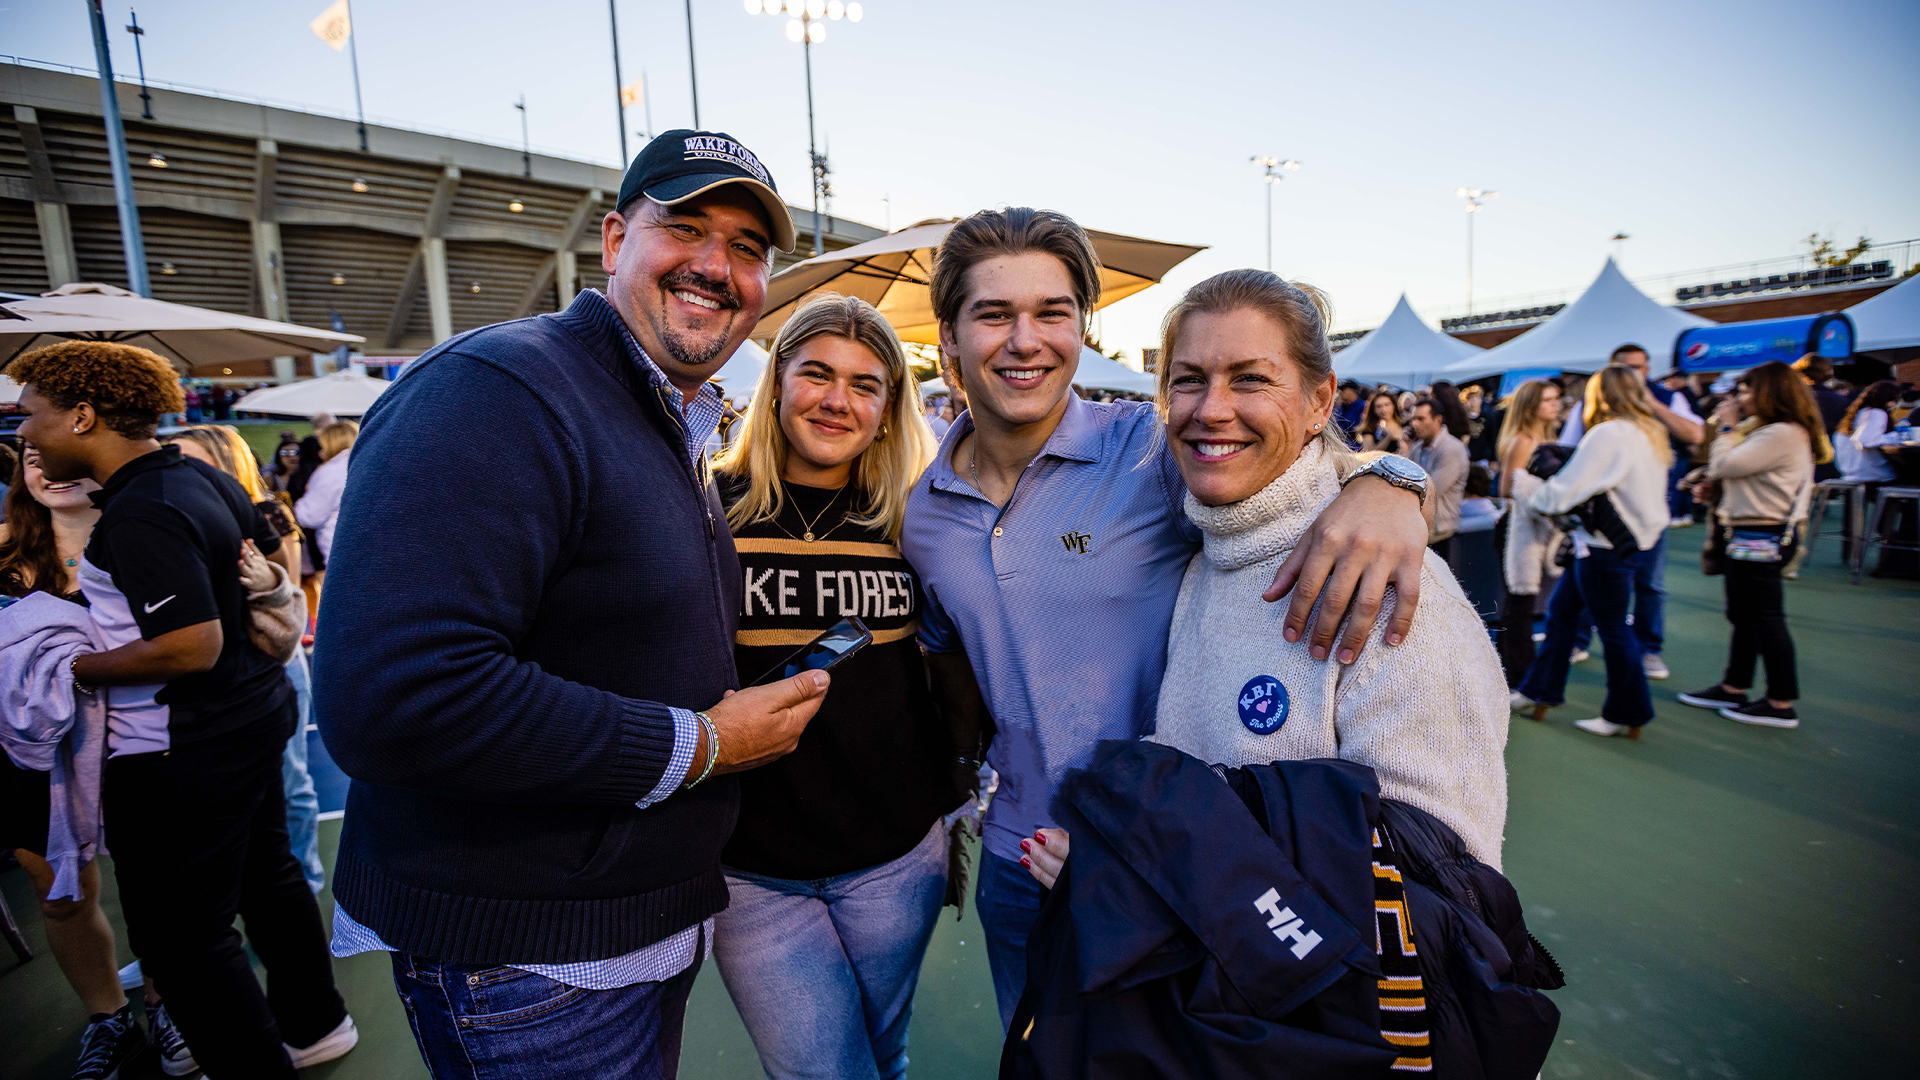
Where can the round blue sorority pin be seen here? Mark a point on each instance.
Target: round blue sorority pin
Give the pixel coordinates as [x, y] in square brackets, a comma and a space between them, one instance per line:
[1263, 705]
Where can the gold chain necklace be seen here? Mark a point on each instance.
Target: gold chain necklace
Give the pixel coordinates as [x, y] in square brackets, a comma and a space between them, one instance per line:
[806, 525]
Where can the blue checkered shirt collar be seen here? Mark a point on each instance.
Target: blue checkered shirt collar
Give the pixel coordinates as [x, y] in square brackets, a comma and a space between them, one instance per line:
[700, 417]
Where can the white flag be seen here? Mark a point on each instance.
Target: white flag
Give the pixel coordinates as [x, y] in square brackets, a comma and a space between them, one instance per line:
[630, 94]
[334, 25]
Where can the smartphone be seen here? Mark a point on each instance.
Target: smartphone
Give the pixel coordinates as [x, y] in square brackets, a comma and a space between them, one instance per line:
[824, 653]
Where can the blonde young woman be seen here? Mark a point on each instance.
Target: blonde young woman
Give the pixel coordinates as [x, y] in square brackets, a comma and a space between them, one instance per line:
[838, 866]
[1622, 462]
[1532, 418]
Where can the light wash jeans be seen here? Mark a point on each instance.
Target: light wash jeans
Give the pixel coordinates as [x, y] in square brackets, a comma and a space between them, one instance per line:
[823, 971]
[303, 803]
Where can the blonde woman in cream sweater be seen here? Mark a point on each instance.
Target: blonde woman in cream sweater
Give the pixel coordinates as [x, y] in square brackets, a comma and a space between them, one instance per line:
[1247, 391]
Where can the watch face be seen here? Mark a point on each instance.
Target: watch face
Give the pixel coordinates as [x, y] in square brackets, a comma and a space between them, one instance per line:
[1399, 467]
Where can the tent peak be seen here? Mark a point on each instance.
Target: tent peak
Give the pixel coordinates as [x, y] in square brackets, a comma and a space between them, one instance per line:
[82, 288]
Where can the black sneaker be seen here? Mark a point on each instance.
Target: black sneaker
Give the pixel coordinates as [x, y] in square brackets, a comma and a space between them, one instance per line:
[109, 1043]
[1713, 697]
[1763, 714]
[175, 1058]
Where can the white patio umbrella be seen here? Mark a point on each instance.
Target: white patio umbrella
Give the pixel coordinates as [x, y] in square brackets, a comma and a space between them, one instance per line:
[90, 311]
[741, 373]
[342, 393]
[892, 274]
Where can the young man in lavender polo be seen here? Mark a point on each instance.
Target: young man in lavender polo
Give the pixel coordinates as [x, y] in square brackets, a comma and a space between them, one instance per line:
[509, 658]
[1050, 539]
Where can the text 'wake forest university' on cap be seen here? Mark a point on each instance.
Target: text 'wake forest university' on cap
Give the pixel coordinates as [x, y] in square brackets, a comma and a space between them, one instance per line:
[678, 165]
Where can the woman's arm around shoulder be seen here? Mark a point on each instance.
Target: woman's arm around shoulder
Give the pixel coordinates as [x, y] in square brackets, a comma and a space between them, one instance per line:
[1772, 446]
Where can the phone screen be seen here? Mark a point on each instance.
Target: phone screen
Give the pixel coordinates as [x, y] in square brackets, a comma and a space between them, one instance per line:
[829, 650]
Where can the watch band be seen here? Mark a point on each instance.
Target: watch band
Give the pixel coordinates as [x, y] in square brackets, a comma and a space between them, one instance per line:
[1378, 466]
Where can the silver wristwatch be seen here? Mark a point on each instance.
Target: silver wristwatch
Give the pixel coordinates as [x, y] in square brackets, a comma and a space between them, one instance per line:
[1395, 470]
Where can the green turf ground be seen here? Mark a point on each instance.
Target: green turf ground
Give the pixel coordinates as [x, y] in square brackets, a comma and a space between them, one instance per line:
[1727, 901]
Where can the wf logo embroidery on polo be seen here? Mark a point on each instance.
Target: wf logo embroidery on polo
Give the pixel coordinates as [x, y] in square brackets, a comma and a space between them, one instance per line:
[1286, 925]
[1077, 542]
[1263, 705]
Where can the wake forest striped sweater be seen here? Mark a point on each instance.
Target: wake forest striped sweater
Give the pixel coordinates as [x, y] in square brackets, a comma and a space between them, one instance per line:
[869, 776]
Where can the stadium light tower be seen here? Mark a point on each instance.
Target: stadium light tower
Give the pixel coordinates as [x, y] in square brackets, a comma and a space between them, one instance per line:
[1277, 170]
[808, 26]
[1475, 198]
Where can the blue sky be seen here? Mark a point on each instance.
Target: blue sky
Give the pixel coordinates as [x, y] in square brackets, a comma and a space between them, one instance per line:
[1711, 133]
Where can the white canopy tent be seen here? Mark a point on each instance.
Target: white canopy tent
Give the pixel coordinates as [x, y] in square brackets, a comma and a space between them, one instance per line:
[1402, 351]
[9, 391]
[1890, 321]
[342, 393]
[1609, 314]
[1095, 372]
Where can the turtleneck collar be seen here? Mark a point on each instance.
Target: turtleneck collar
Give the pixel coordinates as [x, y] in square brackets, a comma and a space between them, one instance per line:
[1272, 520]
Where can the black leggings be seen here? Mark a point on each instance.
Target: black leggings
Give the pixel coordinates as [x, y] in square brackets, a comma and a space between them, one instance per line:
[1516, 636]
[1756, 607]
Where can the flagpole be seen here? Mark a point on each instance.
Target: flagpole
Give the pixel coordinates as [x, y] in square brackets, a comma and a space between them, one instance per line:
[353, 53]
[619, 88]
[131, 245]
[693, 76]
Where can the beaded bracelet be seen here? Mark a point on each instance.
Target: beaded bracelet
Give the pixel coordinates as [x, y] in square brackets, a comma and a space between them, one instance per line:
[73, 670]
[713, 748]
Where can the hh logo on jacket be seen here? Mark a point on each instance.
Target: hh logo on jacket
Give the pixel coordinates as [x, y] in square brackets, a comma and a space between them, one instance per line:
[1285, 924]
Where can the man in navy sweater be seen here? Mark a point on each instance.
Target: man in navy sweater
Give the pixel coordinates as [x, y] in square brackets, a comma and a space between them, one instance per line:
[509, 660]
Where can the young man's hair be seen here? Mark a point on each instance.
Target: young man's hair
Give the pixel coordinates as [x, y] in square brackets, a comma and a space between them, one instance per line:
[130, 388]
[1614, 356]
[1016, 230]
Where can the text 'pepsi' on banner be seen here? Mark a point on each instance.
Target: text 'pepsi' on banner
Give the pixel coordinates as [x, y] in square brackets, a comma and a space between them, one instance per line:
[1742, 345]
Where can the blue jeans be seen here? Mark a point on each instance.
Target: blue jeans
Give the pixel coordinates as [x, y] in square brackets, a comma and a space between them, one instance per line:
[1007, 899]
[1595, 591]
[1649, 603]
[303, 803]
[501, 1023]
[823, 971]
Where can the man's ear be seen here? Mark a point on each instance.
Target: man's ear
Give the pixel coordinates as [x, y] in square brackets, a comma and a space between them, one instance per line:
[84, 418]
[613, 232]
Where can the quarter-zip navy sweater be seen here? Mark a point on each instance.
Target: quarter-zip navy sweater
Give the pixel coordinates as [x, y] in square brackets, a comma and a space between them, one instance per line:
[528, 572]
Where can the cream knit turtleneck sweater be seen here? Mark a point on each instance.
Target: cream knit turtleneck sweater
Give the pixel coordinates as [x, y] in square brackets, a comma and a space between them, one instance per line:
[1429, 716]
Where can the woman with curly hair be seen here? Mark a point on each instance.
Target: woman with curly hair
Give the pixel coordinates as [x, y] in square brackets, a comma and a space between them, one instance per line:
[197, 718]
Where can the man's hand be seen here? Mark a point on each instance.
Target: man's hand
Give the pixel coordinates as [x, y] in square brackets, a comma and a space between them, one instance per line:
[1046, 855]
[189, 650]
[1370, 537]
[256, 573]
[763, 723]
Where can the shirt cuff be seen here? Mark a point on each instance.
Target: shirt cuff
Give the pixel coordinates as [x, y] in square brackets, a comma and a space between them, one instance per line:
[686, 740]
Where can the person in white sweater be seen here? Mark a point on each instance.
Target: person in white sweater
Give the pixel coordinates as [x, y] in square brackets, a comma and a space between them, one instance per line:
[1247, 393]
[1623, 460]
[319, 507]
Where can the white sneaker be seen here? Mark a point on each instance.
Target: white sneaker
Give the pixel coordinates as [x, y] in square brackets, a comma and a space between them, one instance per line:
[335, 1044]
[1578, 656]
[1602, 727]
[1681, 522]
[1655, 667]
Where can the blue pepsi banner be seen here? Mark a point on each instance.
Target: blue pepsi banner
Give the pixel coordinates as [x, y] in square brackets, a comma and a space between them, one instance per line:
[1739, 346]
[1510, 381]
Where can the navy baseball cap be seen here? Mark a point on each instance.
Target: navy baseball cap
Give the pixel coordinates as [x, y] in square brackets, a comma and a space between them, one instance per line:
[678, 165]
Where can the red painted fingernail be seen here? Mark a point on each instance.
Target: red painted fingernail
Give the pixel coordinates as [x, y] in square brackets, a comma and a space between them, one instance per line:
[1042, 838]
[1025, 863]
[1024, 846]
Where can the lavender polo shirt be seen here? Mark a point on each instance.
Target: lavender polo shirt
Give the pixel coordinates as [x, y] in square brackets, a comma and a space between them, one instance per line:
[1061, 600]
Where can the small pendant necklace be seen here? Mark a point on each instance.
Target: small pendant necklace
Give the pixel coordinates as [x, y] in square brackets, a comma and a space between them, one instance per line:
[807, 526]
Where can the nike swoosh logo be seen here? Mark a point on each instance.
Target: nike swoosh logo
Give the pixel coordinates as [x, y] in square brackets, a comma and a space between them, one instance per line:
[153, 607]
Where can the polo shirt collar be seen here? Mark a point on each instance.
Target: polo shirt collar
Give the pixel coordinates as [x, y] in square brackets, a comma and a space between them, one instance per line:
[164, 458]
[1077, 438]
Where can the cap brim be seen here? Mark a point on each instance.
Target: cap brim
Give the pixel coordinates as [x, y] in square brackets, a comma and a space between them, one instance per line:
[680, 189]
